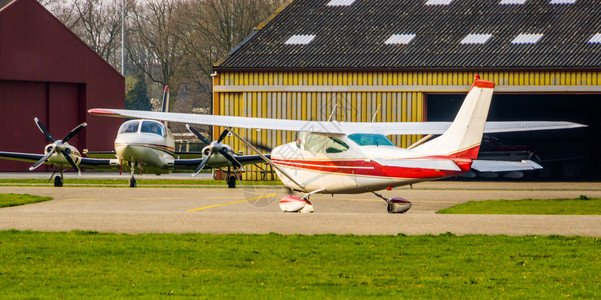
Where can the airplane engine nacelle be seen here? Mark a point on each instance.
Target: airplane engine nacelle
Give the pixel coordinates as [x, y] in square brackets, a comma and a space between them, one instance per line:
[397, 205]
[295, 204]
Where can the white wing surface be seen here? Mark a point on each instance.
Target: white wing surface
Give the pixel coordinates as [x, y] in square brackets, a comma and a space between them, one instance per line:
[433, 164]
[386, 128]
[504, 166]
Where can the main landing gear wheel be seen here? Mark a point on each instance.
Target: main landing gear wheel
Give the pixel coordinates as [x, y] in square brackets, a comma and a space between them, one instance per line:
[132, 182]
[231, 182]
[398, 205]
[58, 181]
[395, 205]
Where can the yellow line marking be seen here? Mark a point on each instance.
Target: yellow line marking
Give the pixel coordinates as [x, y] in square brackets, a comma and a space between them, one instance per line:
[224, 204]
[152, 198]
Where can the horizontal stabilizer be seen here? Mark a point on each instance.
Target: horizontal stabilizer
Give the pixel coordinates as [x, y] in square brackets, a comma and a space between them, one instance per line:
[433, 164]
[504, 166]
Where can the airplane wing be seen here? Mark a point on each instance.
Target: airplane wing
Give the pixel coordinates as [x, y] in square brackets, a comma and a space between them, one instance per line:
[434, 164]
[504, 166]
[86, 163]
[386, 128]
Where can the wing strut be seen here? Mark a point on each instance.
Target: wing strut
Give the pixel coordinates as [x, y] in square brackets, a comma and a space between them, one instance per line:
[267, 160]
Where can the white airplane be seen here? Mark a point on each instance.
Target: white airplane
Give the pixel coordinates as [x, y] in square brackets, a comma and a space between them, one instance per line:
[357, 157]
[141, 146]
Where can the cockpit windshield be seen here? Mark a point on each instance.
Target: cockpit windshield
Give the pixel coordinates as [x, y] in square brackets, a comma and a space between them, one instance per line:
[152, 127]
[143, 126]
[367, 139]
[129, 127]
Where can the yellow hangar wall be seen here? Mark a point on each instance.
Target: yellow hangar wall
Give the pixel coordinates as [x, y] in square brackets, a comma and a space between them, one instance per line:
[361, 97]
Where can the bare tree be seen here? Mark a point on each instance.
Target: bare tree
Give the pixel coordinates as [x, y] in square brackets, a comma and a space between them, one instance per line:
[209, 29]
[100, 26]
[98, 23]
[154, 49]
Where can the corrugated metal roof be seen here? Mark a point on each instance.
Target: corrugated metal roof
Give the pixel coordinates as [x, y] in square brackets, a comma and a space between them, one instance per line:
[354, 36]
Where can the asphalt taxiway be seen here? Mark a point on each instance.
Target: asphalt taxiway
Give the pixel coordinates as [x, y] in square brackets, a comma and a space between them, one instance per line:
[252, 209]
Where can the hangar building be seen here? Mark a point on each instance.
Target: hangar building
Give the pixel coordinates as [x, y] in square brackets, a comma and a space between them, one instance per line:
[46, 71]
[414, 60]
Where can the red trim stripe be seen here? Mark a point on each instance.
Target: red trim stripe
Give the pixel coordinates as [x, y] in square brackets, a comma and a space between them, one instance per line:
[371, 168]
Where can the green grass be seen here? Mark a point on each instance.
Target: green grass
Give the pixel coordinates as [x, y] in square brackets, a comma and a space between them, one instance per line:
[7, 200]
[90, 264]
[141, 182]
[578, 206]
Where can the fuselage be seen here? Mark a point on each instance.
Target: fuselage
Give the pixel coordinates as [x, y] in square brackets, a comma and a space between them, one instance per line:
[147, 143]
[354, 163]
[150, 145]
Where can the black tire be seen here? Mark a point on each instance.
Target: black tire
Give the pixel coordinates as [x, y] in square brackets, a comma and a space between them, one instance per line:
[58, 181]
[132, 183]
[231, 182]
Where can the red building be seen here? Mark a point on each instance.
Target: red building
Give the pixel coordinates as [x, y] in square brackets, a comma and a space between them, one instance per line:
[46, 71]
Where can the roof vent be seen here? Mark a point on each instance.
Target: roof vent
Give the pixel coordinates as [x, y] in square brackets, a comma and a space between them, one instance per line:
[400, 39]
[512, 2]
[340, 3]
[527, 38]
[596, 39]
[476, 38]
[562, 2]
[300, 39]
[439, 2]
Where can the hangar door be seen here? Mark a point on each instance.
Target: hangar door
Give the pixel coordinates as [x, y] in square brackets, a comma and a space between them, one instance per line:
[55, 104]
[565, 154]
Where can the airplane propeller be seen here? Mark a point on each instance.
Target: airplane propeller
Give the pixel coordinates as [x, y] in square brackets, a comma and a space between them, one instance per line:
[214, 147]
[58, 146]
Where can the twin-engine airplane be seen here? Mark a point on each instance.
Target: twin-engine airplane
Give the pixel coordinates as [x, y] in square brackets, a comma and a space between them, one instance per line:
[357, 157]
[141, 146]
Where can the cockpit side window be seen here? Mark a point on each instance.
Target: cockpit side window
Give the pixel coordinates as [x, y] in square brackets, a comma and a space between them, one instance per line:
[152, 127]
[320, 143]
[129, 127]
[334, 145]
[315, 142]
[365, 139]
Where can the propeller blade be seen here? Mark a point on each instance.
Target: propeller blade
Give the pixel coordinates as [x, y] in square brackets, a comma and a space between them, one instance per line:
[222, 136]
[202, 164]
[231, 159]
[41, 161]
[197, 134]
[71, 162]
[262, 147]
[74, 131]
[44, 130]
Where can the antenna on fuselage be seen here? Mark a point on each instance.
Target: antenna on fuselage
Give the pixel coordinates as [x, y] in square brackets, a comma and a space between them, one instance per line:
[375, 114]
[332, 114]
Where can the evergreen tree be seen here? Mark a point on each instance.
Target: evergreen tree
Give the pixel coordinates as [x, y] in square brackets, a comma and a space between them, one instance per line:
[137, 97]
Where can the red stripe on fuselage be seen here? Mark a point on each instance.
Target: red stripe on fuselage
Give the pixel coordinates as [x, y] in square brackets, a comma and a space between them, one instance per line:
[372, 168]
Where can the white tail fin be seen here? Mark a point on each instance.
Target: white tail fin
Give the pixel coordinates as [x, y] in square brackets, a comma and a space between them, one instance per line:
[464, 136]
